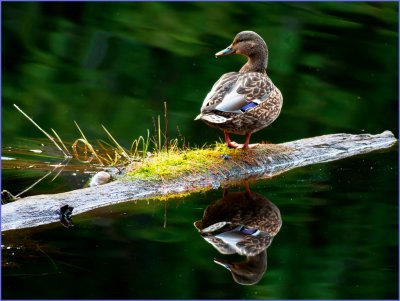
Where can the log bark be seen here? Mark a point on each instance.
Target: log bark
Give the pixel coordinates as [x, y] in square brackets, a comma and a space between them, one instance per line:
[262, 162]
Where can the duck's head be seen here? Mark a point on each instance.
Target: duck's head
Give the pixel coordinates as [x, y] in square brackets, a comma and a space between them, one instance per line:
[247, 272]
[247, 43]
[251, 45]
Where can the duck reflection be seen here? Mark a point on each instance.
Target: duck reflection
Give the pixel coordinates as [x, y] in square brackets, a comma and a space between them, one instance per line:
[243, 223]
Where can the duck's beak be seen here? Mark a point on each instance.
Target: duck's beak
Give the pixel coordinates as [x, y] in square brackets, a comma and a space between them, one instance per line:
[226, 51]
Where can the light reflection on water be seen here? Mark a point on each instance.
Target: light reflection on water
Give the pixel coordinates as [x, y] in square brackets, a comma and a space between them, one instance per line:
[25, 173]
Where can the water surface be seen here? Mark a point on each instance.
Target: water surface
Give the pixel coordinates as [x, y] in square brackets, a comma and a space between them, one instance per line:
[338, 240]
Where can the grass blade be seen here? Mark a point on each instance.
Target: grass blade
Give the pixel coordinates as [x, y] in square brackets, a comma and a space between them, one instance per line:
[116, 143]
[42, 130]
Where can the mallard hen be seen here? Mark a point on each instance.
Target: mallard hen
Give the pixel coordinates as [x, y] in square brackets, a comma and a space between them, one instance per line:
[246, 101]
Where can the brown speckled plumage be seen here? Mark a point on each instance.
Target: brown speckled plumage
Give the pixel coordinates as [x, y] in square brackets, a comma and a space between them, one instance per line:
[249, 209]
[244, 223]
[223, 106]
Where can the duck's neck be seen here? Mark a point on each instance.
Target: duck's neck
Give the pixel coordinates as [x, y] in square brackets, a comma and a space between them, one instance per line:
[256, 62]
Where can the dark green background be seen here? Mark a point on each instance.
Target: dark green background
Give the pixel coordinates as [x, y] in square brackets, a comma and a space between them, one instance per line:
[116, 63]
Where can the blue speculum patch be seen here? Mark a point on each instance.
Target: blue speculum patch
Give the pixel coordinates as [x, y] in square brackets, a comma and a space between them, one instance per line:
[248, 106]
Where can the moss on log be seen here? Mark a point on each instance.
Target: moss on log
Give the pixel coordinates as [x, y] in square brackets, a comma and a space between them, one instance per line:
[266, 160]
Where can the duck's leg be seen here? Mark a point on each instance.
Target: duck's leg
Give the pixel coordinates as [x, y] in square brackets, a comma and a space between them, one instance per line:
[247, 144]
[247, 187]
[228, 141]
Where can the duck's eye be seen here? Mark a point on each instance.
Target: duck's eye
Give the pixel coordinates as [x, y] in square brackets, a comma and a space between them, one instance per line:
[239, 40]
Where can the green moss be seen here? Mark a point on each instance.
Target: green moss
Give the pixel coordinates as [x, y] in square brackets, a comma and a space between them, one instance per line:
[179, 163]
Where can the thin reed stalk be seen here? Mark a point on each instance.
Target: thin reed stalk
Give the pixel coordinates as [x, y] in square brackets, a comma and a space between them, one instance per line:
[86, 142]
[166, 125]
[42, 130]
[62, 143]
[159, 133]
[123, 152]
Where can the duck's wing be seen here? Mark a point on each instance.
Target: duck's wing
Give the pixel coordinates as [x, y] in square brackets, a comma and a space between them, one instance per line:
[249, 88]
[222, 86]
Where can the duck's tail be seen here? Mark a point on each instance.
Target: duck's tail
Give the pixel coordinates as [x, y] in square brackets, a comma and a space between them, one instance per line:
[212, 118]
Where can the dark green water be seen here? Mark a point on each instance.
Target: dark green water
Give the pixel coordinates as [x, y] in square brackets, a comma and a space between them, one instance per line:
[116, 63]
[338, 240]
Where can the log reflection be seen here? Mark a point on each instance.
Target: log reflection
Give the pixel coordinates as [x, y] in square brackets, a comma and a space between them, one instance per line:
[243, 223]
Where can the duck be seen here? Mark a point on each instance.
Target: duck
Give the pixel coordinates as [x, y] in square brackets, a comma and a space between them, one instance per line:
[246, 101]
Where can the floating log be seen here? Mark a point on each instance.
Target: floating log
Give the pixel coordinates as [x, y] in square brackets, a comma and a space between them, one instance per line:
[264, 161]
